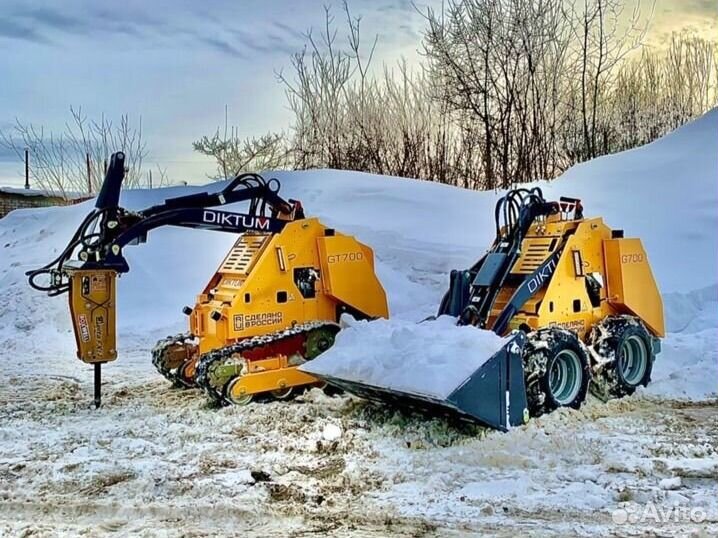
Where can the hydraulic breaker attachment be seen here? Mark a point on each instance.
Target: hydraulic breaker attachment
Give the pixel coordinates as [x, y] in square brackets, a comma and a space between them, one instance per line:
[494, 395]
[92, 305]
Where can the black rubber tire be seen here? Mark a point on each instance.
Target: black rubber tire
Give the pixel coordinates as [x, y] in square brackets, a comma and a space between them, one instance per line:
[540, 354]
[608, 339]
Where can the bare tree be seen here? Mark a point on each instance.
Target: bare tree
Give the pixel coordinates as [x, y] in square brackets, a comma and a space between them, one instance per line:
[662, 90]
[349, 115]
[161, 179]
[59, 160]
[322, 73]
[235, 154]
[603, 36]
[500, 65]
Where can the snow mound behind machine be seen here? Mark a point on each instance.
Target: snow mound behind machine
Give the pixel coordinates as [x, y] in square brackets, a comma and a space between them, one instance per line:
[577, 301]
[272, 305]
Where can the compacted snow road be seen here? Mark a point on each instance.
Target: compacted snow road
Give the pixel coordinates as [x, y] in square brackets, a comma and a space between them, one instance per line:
[156, 461]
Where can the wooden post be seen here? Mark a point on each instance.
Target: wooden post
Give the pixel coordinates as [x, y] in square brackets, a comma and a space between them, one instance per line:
[89, 173]
[27, 169]
[150, 179]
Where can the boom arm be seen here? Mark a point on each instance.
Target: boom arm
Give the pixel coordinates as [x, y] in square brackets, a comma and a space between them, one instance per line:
[118, 227]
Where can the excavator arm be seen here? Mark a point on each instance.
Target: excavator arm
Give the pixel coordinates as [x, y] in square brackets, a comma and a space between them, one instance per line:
[88, 267]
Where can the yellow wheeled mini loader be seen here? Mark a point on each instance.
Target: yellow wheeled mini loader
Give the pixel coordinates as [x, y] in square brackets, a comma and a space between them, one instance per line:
[272, 305]
[578, 300]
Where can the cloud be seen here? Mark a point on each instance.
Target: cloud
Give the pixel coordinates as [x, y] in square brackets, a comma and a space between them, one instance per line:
[221, 46]
[270, 42]
[217, 30]
[288, 30]
[48, 25]
[14, 30]
[43, 16]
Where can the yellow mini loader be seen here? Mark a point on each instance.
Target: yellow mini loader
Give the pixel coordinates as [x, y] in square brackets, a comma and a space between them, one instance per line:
[272, 305]
[578, 300]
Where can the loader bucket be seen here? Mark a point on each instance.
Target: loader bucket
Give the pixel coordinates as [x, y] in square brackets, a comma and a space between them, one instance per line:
[494, 395]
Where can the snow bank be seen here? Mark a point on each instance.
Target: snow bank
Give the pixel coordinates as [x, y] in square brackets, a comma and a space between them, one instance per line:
[666, 193]
[687, 365]
[431, 358]
[69, 195]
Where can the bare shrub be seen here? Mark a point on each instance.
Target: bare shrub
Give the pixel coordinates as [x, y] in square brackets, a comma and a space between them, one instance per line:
[234, 154]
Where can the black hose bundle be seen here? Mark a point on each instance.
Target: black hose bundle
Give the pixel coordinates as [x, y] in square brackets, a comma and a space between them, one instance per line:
[83, 236]
[508, 209]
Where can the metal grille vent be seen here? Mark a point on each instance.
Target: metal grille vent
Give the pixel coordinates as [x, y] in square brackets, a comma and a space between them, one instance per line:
[244, 254]
[534, 253]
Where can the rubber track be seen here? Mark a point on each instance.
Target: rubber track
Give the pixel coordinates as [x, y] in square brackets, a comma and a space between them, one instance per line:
[158, 355]
[256, 342]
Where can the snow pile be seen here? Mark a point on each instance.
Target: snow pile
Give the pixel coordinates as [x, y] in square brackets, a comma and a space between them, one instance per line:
[666, 193]
[686, 367]
[68, 195]
[431, 358]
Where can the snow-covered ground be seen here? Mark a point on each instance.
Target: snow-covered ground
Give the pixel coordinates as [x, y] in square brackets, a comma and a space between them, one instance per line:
[155, 460]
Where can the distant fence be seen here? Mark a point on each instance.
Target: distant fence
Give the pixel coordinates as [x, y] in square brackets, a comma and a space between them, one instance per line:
[12, 198]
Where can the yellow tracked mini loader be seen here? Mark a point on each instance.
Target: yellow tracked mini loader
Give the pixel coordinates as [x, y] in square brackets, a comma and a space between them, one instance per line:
[578, 301]
[272, 305]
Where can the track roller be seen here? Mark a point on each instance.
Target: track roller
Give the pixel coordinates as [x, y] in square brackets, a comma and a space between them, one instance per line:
[175, 358]
[282, 394]
[243, 399]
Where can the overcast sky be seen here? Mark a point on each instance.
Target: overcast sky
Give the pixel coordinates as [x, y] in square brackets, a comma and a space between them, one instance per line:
[177, 63]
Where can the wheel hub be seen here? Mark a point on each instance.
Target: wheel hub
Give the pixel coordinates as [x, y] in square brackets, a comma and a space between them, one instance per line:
[633, 360]
[565, 377]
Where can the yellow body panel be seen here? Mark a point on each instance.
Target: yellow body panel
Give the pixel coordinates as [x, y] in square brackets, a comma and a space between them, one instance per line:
[269, 374]
[259, 289]
[344, 260]
[622, 265]
[92, 306]
[631, 287]
[565, 301]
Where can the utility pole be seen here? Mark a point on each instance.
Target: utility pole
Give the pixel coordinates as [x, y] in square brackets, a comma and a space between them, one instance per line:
[89, 173]
[150, 178]
[27, 169]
